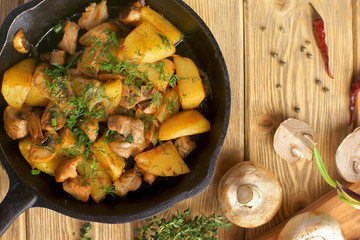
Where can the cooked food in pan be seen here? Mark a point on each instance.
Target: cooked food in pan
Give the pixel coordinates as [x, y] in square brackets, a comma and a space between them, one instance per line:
[111, 107]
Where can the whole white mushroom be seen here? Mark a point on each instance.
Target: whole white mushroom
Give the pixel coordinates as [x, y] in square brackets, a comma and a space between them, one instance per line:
[312, 226]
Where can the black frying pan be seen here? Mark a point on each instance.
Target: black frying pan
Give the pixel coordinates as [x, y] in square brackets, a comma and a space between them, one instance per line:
[26, 191]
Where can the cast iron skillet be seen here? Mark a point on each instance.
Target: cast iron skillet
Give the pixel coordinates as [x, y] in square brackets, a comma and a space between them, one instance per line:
[26, 191]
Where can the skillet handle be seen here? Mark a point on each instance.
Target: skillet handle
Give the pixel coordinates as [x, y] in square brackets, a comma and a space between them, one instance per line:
[17, 200]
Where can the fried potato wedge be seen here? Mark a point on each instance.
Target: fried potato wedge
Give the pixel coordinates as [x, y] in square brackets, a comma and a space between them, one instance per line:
[184, 123]
[164, 160]
[17, 82]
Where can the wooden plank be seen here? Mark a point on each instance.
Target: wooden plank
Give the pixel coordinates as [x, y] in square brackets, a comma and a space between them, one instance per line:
[348, 217]
[273, 91]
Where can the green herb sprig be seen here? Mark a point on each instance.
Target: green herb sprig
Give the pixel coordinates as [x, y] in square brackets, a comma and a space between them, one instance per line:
[84, 231]
[180, 226]
[346, 195]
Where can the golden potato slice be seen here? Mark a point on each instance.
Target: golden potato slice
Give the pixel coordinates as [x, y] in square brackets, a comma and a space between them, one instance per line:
[113, 89]
[170, 31]
[35, 97]
[133, 48]
[46, 167]
[170, 105]
[100, 180]
[17, 82]
[164, 160]
[184, 123]
[113, 164]
[157, 46]
[158, 73]
[191, 90]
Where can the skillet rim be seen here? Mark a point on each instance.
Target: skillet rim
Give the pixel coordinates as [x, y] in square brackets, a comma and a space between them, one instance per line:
[197, 189]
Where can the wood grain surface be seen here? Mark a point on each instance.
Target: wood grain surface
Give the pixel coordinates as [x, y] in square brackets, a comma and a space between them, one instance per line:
[38, 223]
[264, 93]
[348, 217]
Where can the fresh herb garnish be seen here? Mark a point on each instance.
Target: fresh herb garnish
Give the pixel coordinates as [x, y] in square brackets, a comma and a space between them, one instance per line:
[84, 231]
[58, 28]
[35, 172]
[180, 226]
[165, 41]
[110, 190]
[109, 135]
[129, 138]
[346, 195]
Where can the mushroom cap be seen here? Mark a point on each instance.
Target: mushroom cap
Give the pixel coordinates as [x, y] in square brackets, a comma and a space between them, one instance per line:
[15, 123]
[348, 157]
[312, 225]
[249, 195]
[20, 43]
[294, 140]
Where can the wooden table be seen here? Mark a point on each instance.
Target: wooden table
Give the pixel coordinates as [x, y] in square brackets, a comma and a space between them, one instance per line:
[264, 93]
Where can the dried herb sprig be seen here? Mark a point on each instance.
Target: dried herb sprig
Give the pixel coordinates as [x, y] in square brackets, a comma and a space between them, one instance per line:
[84, 231]
[180, 226]
[346, 195]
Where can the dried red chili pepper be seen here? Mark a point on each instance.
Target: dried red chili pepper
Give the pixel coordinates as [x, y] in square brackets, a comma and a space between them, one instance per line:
[319, 34]
[355, 89]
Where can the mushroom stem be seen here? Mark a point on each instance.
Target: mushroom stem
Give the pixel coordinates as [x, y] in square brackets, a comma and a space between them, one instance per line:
[248, 196]
[297, 153]
[309, 138]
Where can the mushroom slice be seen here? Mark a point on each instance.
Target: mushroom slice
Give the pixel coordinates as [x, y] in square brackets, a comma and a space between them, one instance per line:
[294, 140]
[33, 119]
[312, 225]
[20, 43]
[52, 119]
[67, 169]
[130, 15]
[348, 157]
[46, 152]
[249, 195]
[15, 123]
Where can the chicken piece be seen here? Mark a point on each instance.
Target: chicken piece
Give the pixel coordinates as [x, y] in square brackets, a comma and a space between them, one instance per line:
[131, 95]
[94, 15]
[148, 177]
[90, 128]
[78, 187]
[68, 43]
[131, 128]
[58, 57]
[125, 149]
[67, 169]
[52, 119]
[33, 119]
[185, 146]
[15, 123]
[130, 15]
[100, 32]
[129, 181]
